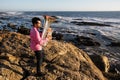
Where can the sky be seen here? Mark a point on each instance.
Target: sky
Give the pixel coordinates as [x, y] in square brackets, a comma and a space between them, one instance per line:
[59, 5]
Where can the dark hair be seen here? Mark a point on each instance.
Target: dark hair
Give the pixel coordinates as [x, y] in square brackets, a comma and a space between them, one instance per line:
[35, 19]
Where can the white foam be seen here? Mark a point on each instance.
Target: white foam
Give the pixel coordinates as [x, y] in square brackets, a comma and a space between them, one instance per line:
[12, 13]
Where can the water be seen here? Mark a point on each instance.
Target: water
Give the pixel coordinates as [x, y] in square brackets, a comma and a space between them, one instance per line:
[111, 18]
[109, 14]
[104, 34]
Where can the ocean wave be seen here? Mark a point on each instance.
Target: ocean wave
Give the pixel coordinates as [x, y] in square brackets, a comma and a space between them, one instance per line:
[10, 13]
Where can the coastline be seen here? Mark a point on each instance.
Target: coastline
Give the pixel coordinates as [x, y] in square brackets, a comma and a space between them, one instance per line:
[93, 35]
[16, 52]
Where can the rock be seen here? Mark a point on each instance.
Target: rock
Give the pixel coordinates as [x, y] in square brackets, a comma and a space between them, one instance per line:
[12, 42]
[57, 36]
[62, 61]
[1, 22]
[12, 58]
[5, 29]
[31, 78]
[10, 71]
[23, 30]
[86, 41]
[14, 50]
[101, 62]
[70, 64]
[77, 19]
[89, 23]
[11, 25]
[112, 76]
[114, 44]
[4, 18]
[115, 68]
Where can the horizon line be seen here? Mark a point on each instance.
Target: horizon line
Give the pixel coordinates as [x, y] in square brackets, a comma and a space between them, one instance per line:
[60, 11]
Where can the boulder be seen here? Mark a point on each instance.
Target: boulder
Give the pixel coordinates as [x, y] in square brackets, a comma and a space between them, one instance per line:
[23, 30]
[101, 62]
[67, 62]
[62, 61]
[11, 25]
[114, 44]
[57, 36]
[86, 41]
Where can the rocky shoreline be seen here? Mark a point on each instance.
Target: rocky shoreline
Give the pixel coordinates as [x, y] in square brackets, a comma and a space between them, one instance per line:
[97, 37]
[64, 60]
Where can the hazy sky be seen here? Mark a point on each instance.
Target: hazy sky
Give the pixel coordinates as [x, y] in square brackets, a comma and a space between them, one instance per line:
[59, 5]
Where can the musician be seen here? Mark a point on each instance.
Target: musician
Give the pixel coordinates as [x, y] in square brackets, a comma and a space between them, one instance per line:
[37, 42]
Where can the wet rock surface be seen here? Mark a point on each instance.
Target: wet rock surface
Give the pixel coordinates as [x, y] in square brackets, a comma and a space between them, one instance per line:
[57, 36]
[11, 25]
[23, 30]
[114, 44]
[87, 41]
[89, 23]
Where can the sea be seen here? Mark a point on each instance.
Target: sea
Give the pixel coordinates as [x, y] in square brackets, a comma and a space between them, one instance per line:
[109, 17]
[105, 25]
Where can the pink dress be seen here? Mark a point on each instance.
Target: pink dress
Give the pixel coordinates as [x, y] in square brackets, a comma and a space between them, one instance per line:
[36, 42]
